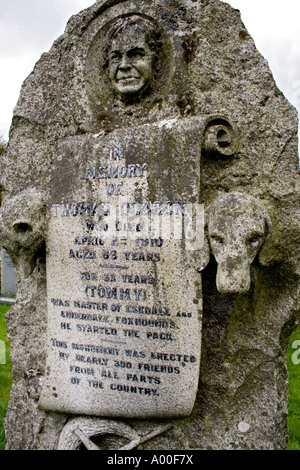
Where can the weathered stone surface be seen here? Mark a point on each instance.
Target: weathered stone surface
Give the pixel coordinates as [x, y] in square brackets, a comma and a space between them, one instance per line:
[208, 66]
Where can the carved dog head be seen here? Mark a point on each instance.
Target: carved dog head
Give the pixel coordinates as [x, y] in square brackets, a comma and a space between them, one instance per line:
[22, 223]
[237, 226]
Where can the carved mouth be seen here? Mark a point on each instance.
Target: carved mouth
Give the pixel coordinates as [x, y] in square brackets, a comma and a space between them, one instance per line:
[129, 79]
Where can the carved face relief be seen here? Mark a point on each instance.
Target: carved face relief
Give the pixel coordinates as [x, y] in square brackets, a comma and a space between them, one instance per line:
[130, 63]
[236, 229]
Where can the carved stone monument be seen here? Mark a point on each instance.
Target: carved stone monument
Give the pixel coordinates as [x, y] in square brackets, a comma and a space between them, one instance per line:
[150, 206]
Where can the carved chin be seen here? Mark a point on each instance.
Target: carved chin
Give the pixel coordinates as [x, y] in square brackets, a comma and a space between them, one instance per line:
[132, 89]
[129, 86]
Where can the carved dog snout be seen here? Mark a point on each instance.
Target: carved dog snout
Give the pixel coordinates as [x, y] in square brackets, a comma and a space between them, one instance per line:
[238, 226]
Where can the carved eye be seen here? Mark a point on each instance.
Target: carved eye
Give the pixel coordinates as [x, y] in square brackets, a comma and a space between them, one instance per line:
[136, 53]
[22, 227]
[217, 239]
[115, 57]
[255, 240]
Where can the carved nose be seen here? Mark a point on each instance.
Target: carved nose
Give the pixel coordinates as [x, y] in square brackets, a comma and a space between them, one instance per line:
[233, 279]
[125, 63]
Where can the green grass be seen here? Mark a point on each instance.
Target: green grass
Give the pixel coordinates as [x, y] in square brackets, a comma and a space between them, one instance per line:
[5, 375]
[294, 391]
[294, 385]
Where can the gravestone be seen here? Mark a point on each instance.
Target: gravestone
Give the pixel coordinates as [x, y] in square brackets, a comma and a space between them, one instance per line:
[150, 206]
[8, 277]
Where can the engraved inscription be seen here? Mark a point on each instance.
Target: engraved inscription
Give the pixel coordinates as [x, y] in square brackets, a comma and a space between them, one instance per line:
[122, 322]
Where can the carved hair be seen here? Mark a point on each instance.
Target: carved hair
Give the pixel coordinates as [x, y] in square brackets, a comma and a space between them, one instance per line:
[97, 74]
[153, 35]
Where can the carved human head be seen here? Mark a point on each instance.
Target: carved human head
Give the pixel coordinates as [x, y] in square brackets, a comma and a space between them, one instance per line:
[237, 228]
[133, 48]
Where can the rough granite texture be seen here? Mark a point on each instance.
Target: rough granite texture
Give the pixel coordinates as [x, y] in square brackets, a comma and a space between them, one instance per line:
[210, 66]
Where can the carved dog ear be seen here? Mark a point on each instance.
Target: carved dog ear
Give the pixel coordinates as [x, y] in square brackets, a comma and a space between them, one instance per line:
[200, 258]
[268, 254]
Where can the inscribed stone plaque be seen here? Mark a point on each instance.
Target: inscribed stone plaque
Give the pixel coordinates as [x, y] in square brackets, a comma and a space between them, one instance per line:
[124, 303]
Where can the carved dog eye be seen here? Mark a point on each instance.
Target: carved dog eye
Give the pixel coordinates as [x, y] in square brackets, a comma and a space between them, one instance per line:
[254, 240]
[217, 239]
